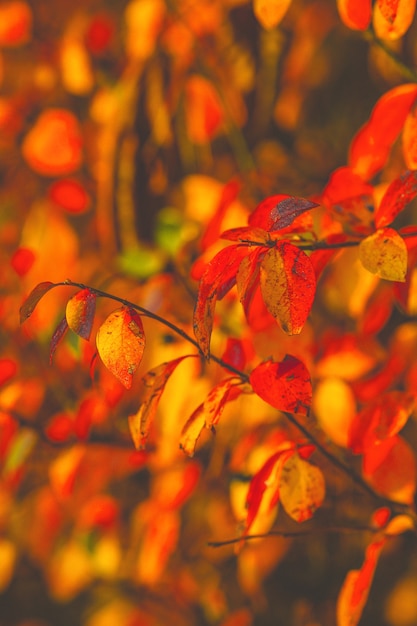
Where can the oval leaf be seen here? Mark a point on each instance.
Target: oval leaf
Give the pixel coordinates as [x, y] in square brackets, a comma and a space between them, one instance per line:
[120, 343]
[384, 253]
[288, 285]
[33, 298]
[355, 14]
[301, 488]
[279, 211]
[269, 13]
[80, 313]
[153, 385]
[286, 385]
[392, 18]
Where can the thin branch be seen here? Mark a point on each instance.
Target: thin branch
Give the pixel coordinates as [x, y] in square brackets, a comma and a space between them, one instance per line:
[406, 71]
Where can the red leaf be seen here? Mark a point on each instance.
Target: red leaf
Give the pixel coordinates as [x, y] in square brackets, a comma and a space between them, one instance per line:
[277, 212]
[218, 278]
[59, 333]
[59, 428]
[33, 298]
[208, 413]
[8, 369]
[212, 232]
[372, 144]
[288, 285]
[22, 260]
[152, 388]
[400, 193]
[235, 353]
[80, 313]
[120, 343]
[247, 277]
[355, 14]
[344, 184]
[70, 195]
[382, 418]
[286, 385]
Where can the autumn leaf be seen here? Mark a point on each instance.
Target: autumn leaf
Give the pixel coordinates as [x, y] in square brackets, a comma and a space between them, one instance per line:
[247, 277]
[207, 414]
[246, 233]
[409, 139]
[58, 334]
[269, 13]
[355, 14]
[286, 385]
[218, 278]
[392, 18]
[120, 343]
[33, 298]
[227, 197]
[301, 488]
[288, 285]
[204, 110]
[399, 193]
[371, 146]
[80, 313]
[280, 211]
[151, 390]
[384, 253]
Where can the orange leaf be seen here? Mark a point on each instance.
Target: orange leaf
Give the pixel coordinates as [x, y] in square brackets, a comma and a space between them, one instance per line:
[392, 18]
[399, 193]
[120, 343]
[204, 111]
[8, 369]
[371, 146]
[288, 285]
[409, 139]
[152, 388]
[227, 197]
[335, 407]
[384, 253]
[384, 417]
[301, 488]
[53, 147]
[80, 313]
[33, 298]
[15, 23]
[218, 278]
[280, 211]
[355, 590]
[390, 468]
[355, 14]
[269, 13]
[207, 414]
[286, 385]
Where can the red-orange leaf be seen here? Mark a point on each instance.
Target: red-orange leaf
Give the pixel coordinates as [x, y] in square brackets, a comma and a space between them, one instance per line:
[218, 278]
[285, 385]
[247, 277]
[33, 298]
[400, 193]
[372, 144]
[208, 413]
[152, 388]
[120, 343]
[279, 211]
[355, 589]
[80, 313]
[409, 139]
[227, 197]
[59, 333]
[246, 233]
[355, 14]
[288, 285]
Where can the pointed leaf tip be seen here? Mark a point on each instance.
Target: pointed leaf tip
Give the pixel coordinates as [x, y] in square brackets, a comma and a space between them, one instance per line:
[33, 298]
[120, 343]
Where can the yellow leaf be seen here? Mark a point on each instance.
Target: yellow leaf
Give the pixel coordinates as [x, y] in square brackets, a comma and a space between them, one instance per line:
[120, 343]
[335, 408]
[269, 13]
[301, 488]
[384, 253]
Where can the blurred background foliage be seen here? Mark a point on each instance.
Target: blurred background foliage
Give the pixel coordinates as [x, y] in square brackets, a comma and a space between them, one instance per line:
[120, 124]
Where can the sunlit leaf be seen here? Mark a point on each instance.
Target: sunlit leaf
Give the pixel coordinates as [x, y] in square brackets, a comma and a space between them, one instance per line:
[301, 488]
[384, 253]
[355, 589]
[246, 233]
[33, 298]
[20, 448]
[8, 557]
[204, 110]
[207, 414]
[15, 23]
[218, 278]
[390, 468]
[335, 408]
[53, 146]
[288, 285]
[280, 211]
[285, 386]
[269, 13]
[409, 139]
[247, 277]
[151, 390]
[227, 197]
[392, 18]
[371, 146]
[80, 312]
[120, 343]
[69, 195]
[355, 14]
